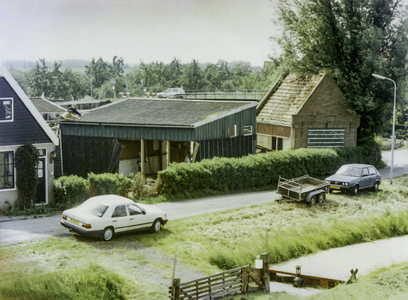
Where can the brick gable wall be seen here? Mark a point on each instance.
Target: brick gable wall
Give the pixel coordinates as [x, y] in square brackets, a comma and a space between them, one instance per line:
[326, 108]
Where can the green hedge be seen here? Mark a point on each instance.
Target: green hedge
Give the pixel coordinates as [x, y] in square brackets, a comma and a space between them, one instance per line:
[70, 189]
[74, 189]
[107, 183]
[253, 171]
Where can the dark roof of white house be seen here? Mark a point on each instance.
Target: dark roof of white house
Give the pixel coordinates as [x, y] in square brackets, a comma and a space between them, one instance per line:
[159, 112]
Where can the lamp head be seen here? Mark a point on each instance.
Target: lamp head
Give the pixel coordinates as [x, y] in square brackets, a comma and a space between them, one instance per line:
[378, 76]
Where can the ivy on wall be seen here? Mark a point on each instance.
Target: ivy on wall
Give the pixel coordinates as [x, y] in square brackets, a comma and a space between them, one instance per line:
[26, 174]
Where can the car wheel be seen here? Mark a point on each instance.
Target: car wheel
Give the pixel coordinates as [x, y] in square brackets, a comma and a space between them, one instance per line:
[354, 191]
[375, 187]
[107, 234]
[156, 225]
[160, 96]
[321, 197]
[312, 200]
[330, 191]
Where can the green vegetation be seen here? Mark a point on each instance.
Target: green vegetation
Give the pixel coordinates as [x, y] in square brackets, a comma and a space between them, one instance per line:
[26, 179]
[70, 189]
[234, 238]
[93, 282]
[107, 183]
[68, 268]
[141, 263]
[254, 171]
[155, 77]
[353, 38]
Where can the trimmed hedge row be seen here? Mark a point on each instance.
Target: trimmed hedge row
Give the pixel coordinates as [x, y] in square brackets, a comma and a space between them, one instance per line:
[74, 189]
[253, 171]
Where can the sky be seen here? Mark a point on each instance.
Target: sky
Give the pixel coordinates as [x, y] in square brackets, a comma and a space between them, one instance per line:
[147, 30]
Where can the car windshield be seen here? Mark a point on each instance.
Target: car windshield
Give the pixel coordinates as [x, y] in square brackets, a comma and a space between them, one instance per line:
[95, 209]
[167, 91]
[349, 171]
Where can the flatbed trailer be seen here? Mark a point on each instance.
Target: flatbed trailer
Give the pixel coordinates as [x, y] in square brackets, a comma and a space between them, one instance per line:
[304, 188]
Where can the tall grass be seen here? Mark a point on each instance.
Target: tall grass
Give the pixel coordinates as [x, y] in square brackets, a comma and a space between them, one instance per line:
[234, 238]
[310, 238]
[74, 268]
[93, 282]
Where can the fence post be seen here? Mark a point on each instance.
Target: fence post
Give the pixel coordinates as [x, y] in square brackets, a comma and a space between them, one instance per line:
[176, 294]
[265, 273]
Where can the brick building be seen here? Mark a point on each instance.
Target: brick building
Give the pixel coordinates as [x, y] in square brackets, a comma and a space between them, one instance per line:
[306, 111]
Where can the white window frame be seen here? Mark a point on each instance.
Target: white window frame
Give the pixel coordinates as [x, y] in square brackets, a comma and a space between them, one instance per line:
[248, 128]
[12, 109]
[234, 129]
[46, 162]
[14, 172]
[275, 146]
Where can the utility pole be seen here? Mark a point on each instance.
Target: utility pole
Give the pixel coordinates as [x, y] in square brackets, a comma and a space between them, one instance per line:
[91, 82]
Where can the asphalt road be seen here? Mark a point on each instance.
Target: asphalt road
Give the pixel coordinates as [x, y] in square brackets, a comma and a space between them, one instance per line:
[32, 229]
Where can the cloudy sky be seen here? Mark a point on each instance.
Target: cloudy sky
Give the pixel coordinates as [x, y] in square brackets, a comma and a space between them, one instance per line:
[148, 30]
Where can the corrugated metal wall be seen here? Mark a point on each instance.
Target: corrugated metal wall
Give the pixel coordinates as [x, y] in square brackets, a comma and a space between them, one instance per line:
[228, 147]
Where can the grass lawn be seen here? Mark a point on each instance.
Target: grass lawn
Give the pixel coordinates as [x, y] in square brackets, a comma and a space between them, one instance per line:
[139, 266]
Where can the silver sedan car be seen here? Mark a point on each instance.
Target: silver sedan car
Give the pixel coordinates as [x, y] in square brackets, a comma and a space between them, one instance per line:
[355, 177]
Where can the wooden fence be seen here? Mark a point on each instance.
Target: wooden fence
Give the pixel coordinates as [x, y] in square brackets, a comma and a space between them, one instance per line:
[234, 281]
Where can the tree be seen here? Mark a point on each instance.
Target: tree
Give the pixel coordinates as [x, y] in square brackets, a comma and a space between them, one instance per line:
[38, 79]
[174, 72]
[77, 84]
[99, 70]
[353, 38]
[21, 77]
[192, 77]
[117, 67]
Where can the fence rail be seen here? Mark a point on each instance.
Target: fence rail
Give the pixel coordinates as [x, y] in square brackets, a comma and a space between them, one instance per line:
[217, 285]
[239, 280]
[226, 94]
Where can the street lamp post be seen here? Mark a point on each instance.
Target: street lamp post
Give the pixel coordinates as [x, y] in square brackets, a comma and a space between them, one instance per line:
[393, 122]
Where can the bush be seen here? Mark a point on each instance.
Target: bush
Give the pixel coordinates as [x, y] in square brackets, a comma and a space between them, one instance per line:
[26, 170]
[70, 189]
[254, 171]
[143, 187]
[107, 183]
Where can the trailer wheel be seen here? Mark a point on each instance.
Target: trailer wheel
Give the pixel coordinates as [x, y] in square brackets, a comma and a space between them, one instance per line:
[312, 200]
[321, 197]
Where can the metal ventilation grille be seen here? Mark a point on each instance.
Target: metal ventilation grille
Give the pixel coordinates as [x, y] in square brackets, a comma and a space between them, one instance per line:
[325, 138]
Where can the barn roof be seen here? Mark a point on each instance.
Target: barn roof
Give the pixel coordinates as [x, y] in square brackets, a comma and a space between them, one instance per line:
[157, 112]
[46, 106]
[287, 97]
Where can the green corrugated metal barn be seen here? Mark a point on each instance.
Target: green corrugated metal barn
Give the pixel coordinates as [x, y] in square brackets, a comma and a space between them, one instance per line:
[146, 135]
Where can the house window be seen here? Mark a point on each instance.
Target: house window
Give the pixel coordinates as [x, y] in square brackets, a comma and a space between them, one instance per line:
[232, 130]
[277, 143]
[6, 170]
[325, 138]
[6, 109]
[247, 130]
